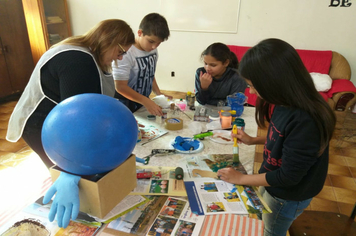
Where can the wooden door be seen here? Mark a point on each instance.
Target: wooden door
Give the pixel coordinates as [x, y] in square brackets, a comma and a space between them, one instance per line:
[5, 84]
[16, 62]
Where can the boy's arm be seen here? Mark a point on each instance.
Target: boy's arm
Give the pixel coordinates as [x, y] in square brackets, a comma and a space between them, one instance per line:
[122, 88]
[157, 91]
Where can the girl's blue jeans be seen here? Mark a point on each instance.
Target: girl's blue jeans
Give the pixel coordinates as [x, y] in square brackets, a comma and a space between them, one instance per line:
[284, 212]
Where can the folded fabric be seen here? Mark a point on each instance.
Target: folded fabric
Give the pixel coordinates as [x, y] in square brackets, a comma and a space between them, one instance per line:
[251, 98]
[322, 82]
[341, 85]
[316, 61]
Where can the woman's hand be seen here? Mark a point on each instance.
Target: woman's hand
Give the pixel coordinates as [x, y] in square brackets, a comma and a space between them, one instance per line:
[230, 175]
[205, 80]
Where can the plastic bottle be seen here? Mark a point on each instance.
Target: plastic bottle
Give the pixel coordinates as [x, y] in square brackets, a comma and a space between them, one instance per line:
[240, 123]
[190, 98]
[214, 116]
[182, 105]
[225, 120]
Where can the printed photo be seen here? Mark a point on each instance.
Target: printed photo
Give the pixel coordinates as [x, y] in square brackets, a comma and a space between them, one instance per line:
[159, 186]
[215, 207]
[185, 228]
[163, 226]
[209, 187]
[231, 197]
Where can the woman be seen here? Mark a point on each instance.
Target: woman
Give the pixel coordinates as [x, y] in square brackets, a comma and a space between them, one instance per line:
[79, 64]
[296, 152]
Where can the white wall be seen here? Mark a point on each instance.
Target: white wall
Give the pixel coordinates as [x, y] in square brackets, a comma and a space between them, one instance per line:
[304, 24]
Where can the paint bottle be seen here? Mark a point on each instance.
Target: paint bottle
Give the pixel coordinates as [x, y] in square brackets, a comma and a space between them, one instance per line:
[225, 120]
[181, 104]
[213, 116]
[240, 123]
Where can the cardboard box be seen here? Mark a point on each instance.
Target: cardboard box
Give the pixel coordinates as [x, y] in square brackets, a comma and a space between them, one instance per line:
[99, 198]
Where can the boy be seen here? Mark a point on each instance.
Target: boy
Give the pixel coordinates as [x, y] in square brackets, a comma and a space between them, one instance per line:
[135, 75]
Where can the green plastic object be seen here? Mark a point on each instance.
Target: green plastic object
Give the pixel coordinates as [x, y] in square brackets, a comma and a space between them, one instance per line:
[202, 135]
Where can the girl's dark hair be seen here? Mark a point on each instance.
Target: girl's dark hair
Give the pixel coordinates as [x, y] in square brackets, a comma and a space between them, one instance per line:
[221, 52]
[280, 78]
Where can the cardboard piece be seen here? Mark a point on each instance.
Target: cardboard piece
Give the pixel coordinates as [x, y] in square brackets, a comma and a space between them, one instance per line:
[99, 198]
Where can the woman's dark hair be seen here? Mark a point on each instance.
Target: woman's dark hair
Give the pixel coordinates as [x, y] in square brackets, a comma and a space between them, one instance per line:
[221, 52]
[280, 78]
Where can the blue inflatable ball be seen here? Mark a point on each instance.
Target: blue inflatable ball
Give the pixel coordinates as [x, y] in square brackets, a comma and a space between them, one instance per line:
[89, 134]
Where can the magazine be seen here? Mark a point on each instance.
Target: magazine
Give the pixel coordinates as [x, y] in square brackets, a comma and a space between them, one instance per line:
[204, 168]
[162, 215]
[126, 205]
[176, 218]
[214, 197]
[149, 130]
[137, 221]
[83, 225]
[158, 181]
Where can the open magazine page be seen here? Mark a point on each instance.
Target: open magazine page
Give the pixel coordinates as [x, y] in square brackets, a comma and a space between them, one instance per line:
[252, 199]
[83, 225]
[126, 205]
[149, 130]
[137, 221]
[207, 163]
[159, 181]
[214, 197]
[176, 218]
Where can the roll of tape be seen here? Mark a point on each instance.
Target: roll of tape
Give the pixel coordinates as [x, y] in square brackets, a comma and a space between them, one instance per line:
[174, 124]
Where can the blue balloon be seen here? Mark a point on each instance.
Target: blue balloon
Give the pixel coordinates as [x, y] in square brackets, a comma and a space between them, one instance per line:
[89, 134]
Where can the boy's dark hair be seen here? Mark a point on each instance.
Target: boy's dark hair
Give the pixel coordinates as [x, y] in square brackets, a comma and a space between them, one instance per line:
[155, 24]
[280, 78]
[221, 52]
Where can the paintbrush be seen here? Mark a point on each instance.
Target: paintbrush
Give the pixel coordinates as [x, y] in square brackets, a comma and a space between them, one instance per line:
[235, 149]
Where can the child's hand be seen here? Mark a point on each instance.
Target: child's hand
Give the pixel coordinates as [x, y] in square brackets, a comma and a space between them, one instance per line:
[167, 96]
[205, 80]
[153, 108]
[242, 137]
[230, 175]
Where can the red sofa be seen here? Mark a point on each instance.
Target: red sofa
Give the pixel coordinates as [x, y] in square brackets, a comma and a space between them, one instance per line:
[342, 94]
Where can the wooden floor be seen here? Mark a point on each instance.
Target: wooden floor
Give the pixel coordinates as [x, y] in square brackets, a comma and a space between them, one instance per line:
[339, 192]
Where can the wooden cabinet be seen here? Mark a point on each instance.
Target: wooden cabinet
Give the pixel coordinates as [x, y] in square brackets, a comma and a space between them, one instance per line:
[16, 64]
[47, 24]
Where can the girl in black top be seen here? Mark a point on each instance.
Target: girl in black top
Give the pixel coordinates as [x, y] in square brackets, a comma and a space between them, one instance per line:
[296, 152]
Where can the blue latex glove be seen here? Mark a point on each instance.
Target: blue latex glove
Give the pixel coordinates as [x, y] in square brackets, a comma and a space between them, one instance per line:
[66, 201]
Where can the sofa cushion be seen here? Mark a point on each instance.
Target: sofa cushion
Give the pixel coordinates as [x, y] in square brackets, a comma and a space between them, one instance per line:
[322, 82]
